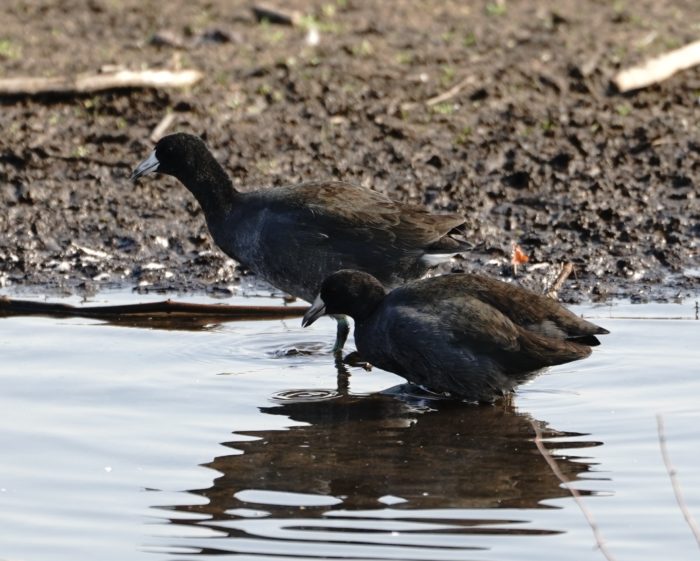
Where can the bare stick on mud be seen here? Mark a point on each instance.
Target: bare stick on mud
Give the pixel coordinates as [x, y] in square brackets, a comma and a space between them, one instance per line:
[600, 542]
[564, 272]
[658, 69]
[449, 94]
[89, 83]
[162, 126]
[273, 15]
[674, 480]
[444, 96]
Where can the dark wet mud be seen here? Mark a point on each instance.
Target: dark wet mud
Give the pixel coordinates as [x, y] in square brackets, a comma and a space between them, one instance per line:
[502, 111]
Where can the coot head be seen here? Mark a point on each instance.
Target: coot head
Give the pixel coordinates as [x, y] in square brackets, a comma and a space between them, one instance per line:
[346, 292]
[178, 154]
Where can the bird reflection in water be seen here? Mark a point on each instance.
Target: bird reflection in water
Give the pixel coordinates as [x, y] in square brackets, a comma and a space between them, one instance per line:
[395, 457]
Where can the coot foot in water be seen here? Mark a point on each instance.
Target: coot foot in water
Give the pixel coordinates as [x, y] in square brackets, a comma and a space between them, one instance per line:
[295, 236]
[471, 336]
[354, 359]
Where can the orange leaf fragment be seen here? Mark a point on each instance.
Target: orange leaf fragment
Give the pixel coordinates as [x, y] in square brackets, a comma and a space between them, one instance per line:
[518, 256]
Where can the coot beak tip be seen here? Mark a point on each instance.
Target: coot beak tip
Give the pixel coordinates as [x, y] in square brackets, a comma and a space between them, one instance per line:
[317, 309]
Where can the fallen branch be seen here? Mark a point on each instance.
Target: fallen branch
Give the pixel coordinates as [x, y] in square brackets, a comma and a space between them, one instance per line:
[658, 69]
[600, 542]
[153, 312]
[89, 83]
[674, 481]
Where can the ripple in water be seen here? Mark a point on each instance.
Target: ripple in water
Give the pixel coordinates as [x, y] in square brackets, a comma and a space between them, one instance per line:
[298, 349]
[305, 396]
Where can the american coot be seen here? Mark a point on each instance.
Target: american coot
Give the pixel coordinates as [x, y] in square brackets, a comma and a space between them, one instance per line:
[295, 236]
[472, 336]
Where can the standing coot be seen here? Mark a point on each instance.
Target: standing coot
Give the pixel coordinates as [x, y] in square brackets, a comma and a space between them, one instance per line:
[469, 335]
[295, 236]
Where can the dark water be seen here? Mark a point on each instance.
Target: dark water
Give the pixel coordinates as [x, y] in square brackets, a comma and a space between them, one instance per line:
[245, 441]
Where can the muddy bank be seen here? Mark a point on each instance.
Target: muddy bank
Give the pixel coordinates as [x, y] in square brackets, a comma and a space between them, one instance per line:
[502, 111]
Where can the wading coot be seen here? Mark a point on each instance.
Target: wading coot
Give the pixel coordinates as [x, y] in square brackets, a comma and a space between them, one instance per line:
[472, 336]
[295, 236]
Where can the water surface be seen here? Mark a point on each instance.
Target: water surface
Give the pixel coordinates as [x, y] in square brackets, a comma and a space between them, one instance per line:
[244, 440]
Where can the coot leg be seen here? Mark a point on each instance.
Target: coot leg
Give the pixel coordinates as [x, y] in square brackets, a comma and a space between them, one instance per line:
[343, 332]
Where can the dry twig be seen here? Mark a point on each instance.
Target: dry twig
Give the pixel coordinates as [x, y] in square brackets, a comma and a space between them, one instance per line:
[444, 96]
[564, 272]
[658, 69]
[162, 126]
[273, 15]
[449, 94]
[600, 542]
[674, 480]
[89, 83]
